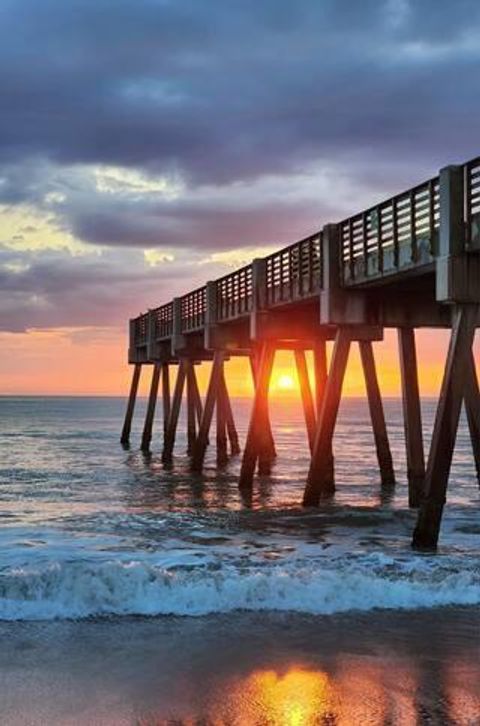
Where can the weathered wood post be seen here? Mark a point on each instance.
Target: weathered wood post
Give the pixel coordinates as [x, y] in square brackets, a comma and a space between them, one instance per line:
[165, 397]
[472, 406]
[152, 402]
[306, 395]
[259, 305]
[333, 311]
[453, 285]
[208, 409]
[174, 412]
[191, 406]
[412, 415]
[257, 436]
[197, 401]
[269, 454]
[127, 425]
[320, 368]
[426, 532]
[221, 423]
[377, 415]
[231, 428]
[319, 483]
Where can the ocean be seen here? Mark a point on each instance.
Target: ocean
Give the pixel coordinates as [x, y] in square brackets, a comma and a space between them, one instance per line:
[110, 560]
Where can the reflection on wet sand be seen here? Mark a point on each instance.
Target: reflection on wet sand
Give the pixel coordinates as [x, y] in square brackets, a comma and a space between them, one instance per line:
[417, 668]
[350, 691]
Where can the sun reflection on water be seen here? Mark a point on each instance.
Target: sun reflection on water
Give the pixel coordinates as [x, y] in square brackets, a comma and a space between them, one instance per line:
[294, 698]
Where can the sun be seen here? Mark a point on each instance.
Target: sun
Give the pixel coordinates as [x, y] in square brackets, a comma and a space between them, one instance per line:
[285, 382]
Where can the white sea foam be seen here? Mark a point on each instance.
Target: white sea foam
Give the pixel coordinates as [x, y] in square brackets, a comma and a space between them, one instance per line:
[79, 590]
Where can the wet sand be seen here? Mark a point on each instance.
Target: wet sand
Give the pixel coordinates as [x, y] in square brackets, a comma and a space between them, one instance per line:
[417, 667]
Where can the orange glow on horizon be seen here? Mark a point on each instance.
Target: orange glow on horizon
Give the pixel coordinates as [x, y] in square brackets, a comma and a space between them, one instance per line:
[92, 361]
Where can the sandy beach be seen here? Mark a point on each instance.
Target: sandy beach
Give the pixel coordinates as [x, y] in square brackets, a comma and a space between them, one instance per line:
[419, 667]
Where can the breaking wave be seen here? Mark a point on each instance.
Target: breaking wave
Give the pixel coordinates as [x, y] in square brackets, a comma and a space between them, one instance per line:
[82, 589]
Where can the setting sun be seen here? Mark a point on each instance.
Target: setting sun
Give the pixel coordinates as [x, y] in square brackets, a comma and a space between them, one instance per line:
[285, 382]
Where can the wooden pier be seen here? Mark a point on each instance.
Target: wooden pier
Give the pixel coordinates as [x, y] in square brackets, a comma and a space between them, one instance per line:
[412, 261]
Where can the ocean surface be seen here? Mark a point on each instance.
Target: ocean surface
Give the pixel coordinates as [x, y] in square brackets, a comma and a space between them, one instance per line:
[132, 594]
[89, 529]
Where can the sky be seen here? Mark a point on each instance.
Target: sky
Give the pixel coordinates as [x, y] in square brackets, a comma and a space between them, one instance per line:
[149, 145]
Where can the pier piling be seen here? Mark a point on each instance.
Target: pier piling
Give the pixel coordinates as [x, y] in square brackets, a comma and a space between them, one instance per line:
[307, 398]
[208, 410]
[447, 416]
[472, 407]
[377, 415]
[319, 483]
[127, 425]
[171, 432]
[150, 414]
[259, 436]
[412, 415]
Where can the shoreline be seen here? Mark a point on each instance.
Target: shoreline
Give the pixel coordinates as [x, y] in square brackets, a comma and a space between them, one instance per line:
[244, 668]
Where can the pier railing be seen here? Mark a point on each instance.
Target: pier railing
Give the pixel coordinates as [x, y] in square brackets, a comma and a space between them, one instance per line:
[163, 321]
[392, 237]
[471, 184]
[294, 272]
[234, 294]
[193, 310]
[398, 233]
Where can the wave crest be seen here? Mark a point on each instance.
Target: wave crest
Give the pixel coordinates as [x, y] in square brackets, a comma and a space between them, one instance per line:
[80, 590]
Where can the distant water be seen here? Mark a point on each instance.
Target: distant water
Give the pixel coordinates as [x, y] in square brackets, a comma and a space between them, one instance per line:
[89, 529]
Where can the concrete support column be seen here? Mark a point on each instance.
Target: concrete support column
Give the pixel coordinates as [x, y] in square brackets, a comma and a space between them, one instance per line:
[338, 306]
[178, 341]
[151, 342]
[457, 275]
[259, 294]
[210, 314]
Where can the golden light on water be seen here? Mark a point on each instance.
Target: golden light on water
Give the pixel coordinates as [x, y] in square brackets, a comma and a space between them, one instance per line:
[294, 698]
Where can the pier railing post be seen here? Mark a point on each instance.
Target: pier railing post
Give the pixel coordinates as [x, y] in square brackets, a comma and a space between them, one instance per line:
[178, 342]
[132, 343]
[338, 306]
[259, 296]
[453, 273]
[151, 342]
[210, 314]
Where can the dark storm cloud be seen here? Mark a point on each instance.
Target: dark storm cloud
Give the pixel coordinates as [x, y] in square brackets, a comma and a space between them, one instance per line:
[216, 94]
[231, 90]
